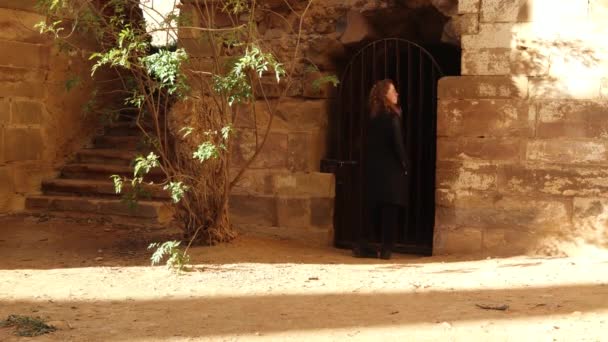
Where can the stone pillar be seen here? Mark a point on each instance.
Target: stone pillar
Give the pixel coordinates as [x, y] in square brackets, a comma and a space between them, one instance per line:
[522, 134]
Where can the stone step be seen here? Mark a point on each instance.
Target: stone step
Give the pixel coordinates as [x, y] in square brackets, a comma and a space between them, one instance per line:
[285, 183]
[102, 189]
[151, 211]
[105, 156]
[281, 211]
[127, 128]
[119, 142]
[103, 172]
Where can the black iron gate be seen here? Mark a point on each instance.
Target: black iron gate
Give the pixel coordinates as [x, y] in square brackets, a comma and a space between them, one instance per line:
[415, 73]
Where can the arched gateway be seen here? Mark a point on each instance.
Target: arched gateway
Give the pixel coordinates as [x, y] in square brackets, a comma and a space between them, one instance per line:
[415, 73]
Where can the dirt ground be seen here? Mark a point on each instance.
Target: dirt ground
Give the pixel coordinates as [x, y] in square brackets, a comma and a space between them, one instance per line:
[92, 280]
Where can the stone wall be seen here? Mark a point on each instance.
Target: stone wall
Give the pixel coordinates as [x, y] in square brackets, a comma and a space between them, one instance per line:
[40, 121]
[522, 149]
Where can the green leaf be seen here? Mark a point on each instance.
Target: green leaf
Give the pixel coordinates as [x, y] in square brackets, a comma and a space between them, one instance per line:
[117, 183]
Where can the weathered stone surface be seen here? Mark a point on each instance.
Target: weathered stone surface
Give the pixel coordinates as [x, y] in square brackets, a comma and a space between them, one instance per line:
[19, 26]
[22, 144]
[322, 212]
[457, 241]
[23, 89]
[482, 87]
[490, 36]
[5, 112]
[491, 118]
[305, 150]
[303, 184]
[481, 149]
[257, 113]
[293, 212]
[259, 210]
[572, 118]
[314, 85]
[272, 155]
[198, 47]
[23, 55]
[468, 6]
[567, 151]
[324, 51]
[357, 28]
[508, 241]
[29, 176]
[253, 181]
[304, 115]
[465, 198]
[465, 176]
[546, 180]
[26, 5]
[495, 61]
[466, 24]
[564, 88]
[590, 220]
[270, 88]
[26, 113]
[533, 10]
[509, 212]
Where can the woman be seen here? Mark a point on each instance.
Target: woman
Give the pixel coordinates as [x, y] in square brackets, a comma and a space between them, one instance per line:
[385, 170]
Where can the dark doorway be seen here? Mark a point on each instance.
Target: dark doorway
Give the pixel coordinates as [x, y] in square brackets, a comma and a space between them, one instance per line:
[415, 72]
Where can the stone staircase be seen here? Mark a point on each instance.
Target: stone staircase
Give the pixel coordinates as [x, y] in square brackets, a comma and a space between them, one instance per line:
[84, 185]
[263, 197]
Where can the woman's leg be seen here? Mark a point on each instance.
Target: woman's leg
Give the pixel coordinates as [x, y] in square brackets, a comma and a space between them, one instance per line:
[361, 246]
[389, 224]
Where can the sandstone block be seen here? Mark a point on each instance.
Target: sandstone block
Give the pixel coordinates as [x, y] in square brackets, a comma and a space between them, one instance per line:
[253, 181]
[490, 36]
[303, 184]
[564, 88]
[259, 210]
[272, 155]
[200, 46]
[29, 176]
[468, 6]
[257, 113]
[492, 118]
[270, 88]
[495, 61]
[19, 26]
[293, 212]
[24, 55]
[466, 23]
[322, 212]
[533, 10]
[457, 241]
[480, 149]
[5, 112]
[314, 85]
[465, 176]
[23, 144]
[568, 151]
[304, 115]
[26, 5]
[465, 198]
[507, 241]
[589, 220]
[304, 151]
[555, 181]
[22, 89]
[481, 87]
[27, 113]
[511, 212]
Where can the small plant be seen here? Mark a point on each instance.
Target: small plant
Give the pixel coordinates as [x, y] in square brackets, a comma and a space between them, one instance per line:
[27, 326]
[176, 258]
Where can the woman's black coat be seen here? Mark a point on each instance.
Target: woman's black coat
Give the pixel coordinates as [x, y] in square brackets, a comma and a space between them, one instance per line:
[385, 162]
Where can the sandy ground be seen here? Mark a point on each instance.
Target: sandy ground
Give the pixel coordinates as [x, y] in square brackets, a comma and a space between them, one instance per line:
[93, 281]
